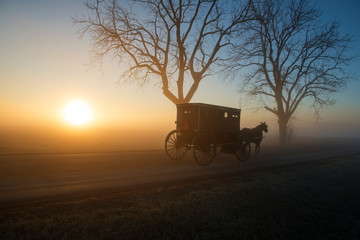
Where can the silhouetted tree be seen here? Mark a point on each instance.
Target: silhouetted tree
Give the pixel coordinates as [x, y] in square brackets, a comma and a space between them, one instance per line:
[291, 56]
[167, 39]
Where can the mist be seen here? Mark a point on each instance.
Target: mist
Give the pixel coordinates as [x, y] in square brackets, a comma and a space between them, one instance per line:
[50, 139]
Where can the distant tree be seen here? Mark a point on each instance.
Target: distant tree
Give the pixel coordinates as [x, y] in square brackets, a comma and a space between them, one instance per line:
[291, 56]
[167, 41]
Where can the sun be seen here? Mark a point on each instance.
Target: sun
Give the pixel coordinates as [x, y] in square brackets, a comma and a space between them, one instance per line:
[78, 113]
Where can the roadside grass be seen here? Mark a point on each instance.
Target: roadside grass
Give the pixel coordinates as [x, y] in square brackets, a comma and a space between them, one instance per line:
[311, 201]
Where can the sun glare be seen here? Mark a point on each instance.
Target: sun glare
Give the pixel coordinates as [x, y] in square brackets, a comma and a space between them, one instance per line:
[78, 113]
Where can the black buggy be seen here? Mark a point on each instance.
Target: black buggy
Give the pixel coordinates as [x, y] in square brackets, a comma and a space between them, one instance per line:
[207, 130]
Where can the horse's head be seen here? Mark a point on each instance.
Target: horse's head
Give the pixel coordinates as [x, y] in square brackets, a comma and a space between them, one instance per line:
[264, 127]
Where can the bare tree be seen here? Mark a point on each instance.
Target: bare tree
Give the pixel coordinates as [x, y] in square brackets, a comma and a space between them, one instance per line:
[167, 41]
[291, 56]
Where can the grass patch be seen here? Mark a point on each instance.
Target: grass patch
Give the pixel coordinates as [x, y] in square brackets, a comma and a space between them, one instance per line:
[307, 202]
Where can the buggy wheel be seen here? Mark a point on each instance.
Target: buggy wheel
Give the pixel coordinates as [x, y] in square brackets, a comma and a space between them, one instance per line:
[243, 150]
[173, 147]
[218, 149]
[204, 149]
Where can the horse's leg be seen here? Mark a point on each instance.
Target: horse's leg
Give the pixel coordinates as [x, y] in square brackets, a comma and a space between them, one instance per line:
[257, 150]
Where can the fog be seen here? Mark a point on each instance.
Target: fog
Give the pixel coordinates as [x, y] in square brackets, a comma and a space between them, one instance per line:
[47, 139]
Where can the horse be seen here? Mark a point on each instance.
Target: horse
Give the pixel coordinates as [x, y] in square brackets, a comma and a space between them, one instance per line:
[255, 135]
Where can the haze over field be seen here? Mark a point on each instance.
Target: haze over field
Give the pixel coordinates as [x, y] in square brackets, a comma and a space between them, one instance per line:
[43, 68]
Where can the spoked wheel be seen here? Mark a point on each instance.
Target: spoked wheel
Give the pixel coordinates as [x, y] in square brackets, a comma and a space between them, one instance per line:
[243, 149]
[173, 147]
[204, 149]
[218, 149]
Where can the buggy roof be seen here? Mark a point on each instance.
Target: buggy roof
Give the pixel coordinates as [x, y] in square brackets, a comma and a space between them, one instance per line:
[205, 105]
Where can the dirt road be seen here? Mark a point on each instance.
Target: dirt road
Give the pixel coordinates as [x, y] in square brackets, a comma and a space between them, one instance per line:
[24, 177]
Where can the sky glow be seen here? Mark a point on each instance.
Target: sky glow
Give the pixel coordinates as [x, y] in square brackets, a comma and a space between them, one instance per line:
[78, 113]
[43, 66]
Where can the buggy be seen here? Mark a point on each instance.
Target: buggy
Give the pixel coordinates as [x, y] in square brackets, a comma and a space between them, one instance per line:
[207, 130]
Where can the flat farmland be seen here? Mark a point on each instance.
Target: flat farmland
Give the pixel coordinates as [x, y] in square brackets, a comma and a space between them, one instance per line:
[308, 191]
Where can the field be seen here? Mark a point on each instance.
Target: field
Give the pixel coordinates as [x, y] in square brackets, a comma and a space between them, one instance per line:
[313, 200]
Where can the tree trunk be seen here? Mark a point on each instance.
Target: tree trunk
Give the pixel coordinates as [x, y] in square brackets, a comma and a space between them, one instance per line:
[283, 140]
